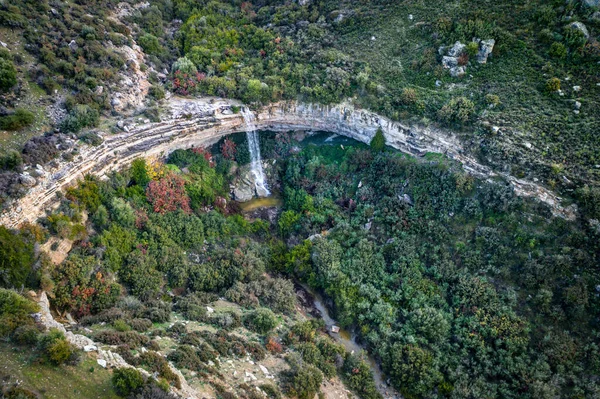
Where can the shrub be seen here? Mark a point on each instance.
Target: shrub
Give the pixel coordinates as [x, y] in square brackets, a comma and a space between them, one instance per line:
[185, 66]
[15, 311]
[11, 160]
[130, 338]
[553, 85]
[303, 381]
[56, 348]
[121, 325]
[19, 393]
[140, 325]
[8, 74]
[472, 49]
[127, 380]
[80, 117]
[378, 141]
[150, 44]
[557, 50]
[20, 119]
[459, 110]
[156, 92]
[26, 334]
[168, 194]
[261, 320]
[16, 258]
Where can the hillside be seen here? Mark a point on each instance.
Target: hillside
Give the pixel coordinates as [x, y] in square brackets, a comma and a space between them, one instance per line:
[300, 199]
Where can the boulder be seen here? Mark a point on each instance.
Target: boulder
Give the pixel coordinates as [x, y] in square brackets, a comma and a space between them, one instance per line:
[457, 49]
[73, 45]
[26, 180]
[458, 71]
[449, 62]
[591, 3]
[485, 49]
[580, 27]
[101, 363]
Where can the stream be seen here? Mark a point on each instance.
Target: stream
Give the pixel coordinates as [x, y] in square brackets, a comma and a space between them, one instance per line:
[348, 340]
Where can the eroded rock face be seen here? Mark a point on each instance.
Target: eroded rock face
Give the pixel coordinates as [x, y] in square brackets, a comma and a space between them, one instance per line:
[200, 122]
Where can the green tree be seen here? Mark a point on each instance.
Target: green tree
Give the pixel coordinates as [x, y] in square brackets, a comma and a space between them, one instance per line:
[8, 74]
[16, 258]
[378, 141]
[261, 320]
[127, 381]
[411, 369]
[15, 311]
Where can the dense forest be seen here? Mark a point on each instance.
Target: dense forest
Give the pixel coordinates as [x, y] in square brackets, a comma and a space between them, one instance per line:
[455, 286]
[458, 287]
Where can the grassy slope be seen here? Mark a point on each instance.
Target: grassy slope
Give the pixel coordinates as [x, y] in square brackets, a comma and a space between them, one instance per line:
[63, 382]
[403, 55]
[32, 97]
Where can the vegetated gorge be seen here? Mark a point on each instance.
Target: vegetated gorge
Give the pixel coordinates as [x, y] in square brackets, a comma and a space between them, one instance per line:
[299, 199]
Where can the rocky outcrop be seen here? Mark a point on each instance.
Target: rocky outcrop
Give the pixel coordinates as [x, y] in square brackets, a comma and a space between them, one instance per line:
[197, 122]
[105, 357]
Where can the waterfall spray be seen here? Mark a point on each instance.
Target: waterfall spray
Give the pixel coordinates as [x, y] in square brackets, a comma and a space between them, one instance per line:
[260, 182]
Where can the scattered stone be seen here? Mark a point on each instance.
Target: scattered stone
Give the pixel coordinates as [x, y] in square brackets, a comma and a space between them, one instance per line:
[576, 88]
[485, 49]
[101, 363]
[373, 38]
[577, 105]
[99, 90]
[115, 102]
[438, 83]
[210, 310]
[335, 329]
[73, 45]
[3, 44]
[90, 348]
[592, 3]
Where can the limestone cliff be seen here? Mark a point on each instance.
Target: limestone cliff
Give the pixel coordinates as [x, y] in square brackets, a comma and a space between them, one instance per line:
[197, 122]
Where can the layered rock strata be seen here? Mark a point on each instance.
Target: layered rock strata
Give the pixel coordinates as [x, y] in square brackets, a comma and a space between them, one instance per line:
[197, 122]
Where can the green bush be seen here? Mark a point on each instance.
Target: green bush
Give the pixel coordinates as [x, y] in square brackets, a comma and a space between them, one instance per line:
[80, 117]
[557, 50]
[127, 381]
[55, 348]
[150, 44]
[16, 258]
[8, 74]
[378, 141]
[15, 311]
[156, 92]
[20, 119]
[553, 85]
[261, 320]
[459, 110]
[184, 65]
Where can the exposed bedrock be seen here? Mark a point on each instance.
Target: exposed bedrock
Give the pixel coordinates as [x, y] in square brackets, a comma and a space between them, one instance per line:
[197, 122]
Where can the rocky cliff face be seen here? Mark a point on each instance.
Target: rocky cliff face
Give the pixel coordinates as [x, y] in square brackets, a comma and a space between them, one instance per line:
[198, 122]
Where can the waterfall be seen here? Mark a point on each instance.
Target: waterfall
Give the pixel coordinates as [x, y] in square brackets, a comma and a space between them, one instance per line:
[260, 182]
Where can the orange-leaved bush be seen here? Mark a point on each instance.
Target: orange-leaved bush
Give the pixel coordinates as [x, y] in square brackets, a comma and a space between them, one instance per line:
[168, 194]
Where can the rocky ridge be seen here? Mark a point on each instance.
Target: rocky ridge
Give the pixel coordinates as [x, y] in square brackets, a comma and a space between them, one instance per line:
[189, 122]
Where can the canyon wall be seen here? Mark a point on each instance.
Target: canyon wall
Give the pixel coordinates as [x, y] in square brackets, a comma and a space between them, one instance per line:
[197, 122]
